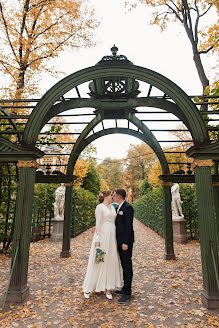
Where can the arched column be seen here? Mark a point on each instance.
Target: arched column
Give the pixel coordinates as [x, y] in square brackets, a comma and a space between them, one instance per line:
[209, 234]
[18, 289]
[167, 221]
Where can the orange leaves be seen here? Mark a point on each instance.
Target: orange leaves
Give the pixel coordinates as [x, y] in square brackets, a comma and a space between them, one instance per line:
[81, 169]
[210, 38]
[213, 322]
[3, 315]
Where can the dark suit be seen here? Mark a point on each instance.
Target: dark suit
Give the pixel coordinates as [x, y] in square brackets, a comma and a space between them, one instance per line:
[125, 235]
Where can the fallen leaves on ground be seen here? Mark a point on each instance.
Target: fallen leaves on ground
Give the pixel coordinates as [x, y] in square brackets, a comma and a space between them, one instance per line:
[165, 293]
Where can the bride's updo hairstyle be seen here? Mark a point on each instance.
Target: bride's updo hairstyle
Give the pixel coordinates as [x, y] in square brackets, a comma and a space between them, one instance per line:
[104, 194]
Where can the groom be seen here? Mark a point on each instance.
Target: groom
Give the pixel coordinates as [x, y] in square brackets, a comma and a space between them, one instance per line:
[125, 239]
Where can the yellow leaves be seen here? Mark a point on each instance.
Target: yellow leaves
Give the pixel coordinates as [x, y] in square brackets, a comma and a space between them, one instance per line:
[81, 169]
[175, 286]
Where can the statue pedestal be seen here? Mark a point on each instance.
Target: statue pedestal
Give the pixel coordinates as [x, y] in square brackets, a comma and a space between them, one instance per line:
[57, 234]
[179, 230]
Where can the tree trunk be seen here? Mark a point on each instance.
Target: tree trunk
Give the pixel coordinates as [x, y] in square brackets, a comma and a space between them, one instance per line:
[200, 69]
[20, 84]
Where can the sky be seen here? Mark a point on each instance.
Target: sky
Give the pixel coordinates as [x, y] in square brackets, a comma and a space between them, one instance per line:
[168, 53]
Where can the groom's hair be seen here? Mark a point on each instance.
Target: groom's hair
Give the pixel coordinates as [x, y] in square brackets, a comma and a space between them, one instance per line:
[121, 192]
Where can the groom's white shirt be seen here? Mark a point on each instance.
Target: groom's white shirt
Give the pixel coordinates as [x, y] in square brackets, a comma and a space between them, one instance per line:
[120, 206]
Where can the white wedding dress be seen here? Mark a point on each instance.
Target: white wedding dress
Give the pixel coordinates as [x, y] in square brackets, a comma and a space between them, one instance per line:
[103, 275]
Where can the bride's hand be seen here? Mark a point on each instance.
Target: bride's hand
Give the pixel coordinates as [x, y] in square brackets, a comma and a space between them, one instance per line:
[97, 244]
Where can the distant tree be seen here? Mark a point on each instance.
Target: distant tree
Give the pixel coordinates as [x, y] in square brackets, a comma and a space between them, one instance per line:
[103, 185]
[156, 170]
[33, 31]
[139, 163]
[145, 187]
[89, 154]
[92, 181]
[111, 170]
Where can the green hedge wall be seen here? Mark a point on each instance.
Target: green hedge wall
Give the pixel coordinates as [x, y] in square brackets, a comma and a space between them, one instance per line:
[83, 210]
[148, 209]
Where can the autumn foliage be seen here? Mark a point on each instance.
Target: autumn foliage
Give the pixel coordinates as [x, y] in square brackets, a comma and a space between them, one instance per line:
[189, 14]
[33, 31]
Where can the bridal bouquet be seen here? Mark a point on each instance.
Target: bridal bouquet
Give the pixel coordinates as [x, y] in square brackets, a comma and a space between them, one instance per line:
[99, 255]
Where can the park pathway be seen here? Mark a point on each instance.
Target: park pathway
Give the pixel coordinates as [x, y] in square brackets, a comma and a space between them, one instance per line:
[165, 293]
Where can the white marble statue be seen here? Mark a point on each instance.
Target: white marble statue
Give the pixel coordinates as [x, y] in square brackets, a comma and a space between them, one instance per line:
[176, 201]
[59, 205]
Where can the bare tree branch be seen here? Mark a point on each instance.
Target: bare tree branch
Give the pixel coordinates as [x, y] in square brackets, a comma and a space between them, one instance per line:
[205, 12]
[196, 24]
[175, 12]
[177, 8]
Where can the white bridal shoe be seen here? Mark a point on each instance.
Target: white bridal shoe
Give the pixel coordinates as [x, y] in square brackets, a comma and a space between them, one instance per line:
[109, 296]
[87, 295]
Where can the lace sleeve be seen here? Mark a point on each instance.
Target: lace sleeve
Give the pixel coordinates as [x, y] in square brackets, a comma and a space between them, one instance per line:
[99, 222]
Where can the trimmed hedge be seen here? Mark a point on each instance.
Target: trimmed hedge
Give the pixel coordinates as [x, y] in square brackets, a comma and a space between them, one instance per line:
[148, 209]
[83, 210]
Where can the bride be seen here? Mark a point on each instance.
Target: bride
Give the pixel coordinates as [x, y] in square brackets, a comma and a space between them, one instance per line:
[103, 276]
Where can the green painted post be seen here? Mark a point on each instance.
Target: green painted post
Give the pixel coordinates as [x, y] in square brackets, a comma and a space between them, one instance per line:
[67, 223]
[209, 234]
[216, 204]
[34, 218]
[18, 290]
[74, 214]
[167, 219]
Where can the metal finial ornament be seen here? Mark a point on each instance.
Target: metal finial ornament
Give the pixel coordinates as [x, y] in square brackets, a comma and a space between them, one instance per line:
[114, 58]
[114, 50]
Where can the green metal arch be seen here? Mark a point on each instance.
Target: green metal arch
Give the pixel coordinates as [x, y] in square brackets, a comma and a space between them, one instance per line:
[146, 135]
[197, 126]
[141, 136]
[130, 103]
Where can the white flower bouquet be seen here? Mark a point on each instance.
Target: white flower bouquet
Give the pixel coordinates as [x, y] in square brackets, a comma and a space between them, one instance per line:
[99, 255]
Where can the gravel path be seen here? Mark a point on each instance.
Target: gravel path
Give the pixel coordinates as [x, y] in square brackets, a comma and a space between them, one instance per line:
[165, 293]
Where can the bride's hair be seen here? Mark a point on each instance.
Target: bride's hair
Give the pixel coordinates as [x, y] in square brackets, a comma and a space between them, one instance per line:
[104, 194]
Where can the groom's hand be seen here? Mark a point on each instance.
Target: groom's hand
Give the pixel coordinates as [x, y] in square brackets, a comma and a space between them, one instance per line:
[124, 247]
[97, 244]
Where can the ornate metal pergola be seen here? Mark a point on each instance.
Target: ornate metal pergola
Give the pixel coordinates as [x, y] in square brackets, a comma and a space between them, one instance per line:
[113, 94]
